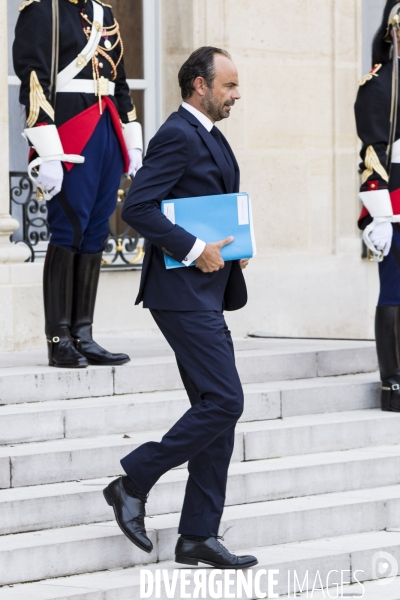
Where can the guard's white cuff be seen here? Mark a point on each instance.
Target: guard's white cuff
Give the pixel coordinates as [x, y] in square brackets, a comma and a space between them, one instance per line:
[377, 203]
[133, 135]
[45, 139]
[47, 143]
[195, 252]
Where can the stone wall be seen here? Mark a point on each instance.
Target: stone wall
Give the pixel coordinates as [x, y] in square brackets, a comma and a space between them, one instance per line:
[294, 135]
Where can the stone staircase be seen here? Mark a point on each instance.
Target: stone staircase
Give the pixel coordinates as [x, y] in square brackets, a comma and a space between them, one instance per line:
[314, 484]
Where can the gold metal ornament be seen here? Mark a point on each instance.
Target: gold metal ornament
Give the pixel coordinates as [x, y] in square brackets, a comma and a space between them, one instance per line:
[81, 61]
[103, 87]
[393, 21]
[119, 247]
[138, 257]
[39, 195]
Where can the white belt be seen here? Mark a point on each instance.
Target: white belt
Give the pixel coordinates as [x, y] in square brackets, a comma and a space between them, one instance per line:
[88, 86]
[76, 66]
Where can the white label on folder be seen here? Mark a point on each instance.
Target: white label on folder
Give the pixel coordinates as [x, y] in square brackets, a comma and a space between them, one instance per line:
[169, 211]
[243, 210]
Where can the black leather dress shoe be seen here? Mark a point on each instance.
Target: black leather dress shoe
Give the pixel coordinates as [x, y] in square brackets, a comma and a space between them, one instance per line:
[211, 552]
[129, 513]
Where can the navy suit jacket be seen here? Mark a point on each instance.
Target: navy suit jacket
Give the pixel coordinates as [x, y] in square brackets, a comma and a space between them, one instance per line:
[183, 160]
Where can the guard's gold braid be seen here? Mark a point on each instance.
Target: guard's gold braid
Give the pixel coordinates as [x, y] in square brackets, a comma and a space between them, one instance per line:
[110, 31]
[113, 66]
[37, 101]
[132, 116]
[122, 53]
[372, 163]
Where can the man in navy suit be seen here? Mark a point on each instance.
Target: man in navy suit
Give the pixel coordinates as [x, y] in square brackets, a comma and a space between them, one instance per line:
[189, 157]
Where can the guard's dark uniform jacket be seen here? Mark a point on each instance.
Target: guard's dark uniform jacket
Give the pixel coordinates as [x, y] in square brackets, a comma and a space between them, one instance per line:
[372, 111]
[32, 51]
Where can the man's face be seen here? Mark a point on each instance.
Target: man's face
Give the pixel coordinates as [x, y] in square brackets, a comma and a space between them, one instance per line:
[219, 99]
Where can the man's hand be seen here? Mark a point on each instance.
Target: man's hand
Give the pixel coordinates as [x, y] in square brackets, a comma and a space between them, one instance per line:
[210, 259]
[243, 263]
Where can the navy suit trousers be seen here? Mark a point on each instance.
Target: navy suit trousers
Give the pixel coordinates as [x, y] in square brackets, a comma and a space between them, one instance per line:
[204, 435]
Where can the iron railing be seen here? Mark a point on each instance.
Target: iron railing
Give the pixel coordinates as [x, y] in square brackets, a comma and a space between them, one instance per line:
[124, 246]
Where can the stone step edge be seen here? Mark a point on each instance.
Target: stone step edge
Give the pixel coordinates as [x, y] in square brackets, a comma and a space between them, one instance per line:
[243, 427]
[267, 464]
[285, 385]
[234, 513]
[301, 557]
[295, 364]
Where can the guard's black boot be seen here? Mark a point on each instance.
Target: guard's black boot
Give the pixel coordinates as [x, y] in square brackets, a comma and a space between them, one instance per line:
[387, 335]
[211, 552]
[57, 293]
[86, 279]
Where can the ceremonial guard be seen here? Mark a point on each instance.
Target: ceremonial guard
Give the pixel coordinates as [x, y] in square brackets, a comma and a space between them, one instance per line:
[82, 129]
[378, 126]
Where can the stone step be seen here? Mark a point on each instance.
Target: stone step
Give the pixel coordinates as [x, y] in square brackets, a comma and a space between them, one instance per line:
[275, 361]
[89, 549]
[328, 558]
[108, 415]
[310, 434]
[124, 584]
[81, 502]
[39, 463]
[82, 458]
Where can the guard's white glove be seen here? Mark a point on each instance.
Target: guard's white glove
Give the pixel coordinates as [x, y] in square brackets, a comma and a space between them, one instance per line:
[135, 158]
[381, 237]
[51, 176]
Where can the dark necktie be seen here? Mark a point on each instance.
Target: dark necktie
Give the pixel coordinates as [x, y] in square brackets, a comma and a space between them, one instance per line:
[215, 132]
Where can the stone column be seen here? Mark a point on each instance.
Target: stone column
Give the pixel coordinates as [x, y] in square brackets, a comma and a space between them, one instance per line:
[9, 252]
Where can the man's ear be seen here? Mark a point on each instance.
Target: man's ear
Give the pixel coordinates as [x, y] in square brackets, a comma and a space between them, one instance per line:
[200, 85]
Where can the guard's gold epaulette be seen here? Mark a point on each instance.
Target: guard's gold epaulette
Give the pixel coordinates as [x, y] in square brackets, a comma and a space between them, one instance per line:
[373, 73]
[27, 3]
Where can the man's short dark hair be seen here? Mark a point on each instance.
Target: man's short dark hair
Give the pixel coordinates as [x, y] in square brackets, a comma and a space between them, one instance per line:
[199, 64]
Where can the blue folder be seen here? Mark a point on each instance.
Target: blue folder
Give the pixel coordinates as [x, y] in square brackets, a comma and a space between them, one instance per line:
[213, 218]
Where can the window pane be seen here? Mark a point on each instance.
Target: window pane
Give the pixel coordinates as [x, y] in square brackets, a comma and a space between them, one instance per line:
[138, 100]
[129, 14]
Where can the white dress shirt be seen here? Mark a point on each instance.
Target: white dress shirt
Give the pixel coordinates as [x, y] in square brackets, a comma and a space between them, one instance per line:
[199, 245]
[204, 120]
